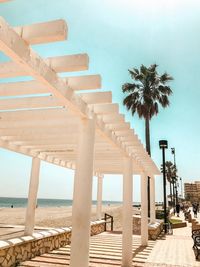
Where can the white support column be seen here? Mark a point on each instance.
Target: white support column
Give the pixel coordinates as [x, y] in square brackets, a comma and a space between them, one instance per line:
[152, 200]
[82, 198]
[99, 196]
[144, 211]
[127, 222]
[32, 197]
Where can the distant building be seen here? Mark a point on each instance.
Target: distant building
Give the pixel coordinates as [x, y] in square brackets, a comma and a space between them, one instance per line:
[192, 191]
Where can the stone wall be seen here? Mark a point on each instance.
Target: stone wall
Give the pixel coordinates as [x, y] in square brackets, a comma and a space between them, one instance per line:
[154, 229]
[23, 248]
[136, 224]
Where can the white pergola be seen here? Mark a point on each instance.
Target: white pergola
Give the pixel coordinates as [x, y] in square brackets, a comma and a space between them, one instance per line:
[52, 119]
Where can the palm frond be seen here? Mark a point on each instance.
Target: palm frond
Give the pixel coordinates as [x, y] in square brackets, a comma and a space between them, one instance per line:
[164, 78]
[129, 87]
[152, 91]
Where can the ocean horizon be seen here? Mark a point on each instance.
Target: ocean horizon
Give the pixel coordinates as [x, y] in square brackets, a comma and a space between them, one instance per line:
[17, 202]
[21, 202]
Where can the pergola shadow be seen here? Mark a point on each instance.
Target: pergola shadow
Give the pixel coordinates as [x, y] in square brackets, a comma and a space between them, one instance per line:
[105, 250]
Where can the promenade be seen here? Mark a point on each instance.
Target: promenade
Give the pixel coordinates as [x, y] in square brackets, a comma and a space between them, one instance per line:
[105, 250]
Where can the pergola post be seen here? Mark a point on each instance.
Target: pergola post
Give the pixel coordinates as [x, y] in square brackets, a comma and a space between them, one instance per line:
[144, 211]
[82, 198]
[127, 221]
[99, 196]
[152, 200]
[32, 197]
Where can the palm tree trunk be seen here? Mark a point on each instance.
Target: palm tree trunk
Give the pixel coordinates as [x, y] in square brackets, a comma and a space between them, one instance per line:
[147, 136]
[148, 149]
[173, 194]
[170, 184]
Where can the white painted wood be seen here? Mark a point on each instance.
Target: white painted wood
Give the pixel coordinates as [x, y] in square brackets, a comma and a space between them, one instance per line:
[85, 82]
[45, 32]
[37, 115]
[44, 142]
[19, 88]
[34, 87]
[15, 148]
[67, 63]
[99, 195]
[128, 138]
[62, 123]
[32, 197]
[124, 132]
[127, 221]
[82, 197]
[105, 108]
[119, 126]
[29, 102]
[152, 200]
[48, 147]
[144, 210]
[110, 118]
[11, 69]
[19, 51]
[97, 97]
[32, 131]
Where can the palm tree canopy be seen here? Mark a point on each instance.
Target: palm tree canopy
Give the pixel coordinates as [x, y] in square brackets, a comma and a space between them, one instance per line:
[171, 171]
[147, 92]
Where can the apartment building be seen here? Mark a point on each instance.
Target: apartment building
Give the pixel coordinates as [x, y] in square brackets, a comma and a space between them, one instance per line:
[192, 191]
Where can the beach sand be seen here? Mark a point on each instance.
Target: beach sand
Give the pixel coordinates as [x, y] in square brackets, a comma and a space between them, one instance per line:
[55, 216]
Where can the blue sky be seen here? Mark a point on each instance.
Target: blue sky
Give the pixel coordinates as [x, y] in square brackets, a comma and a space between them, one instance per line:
[118, 35]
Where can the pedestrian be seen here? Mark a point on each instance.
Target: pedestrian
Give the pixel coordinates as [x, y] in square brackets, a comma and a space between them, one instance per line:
[195, 209]
[177, 209]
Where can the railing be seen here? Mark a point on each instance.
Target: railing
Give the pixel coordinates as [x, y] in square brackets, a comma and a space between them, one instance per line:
[108, 220]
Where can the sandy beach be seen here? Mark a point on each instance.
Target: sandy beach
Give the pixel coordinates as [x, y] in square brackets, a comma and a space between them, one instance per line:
[55, 216]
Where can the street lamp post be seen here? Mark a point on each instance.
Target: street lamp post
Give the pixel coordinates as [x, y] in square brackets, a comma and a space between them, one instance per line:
[164, 145]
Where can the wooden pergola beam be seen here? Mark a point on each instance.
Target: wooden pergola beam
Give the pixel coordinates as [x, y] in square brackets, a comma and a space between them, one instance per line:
[15, 47]
[67, 63]
[29, 102]
[97, 97]
[90, 82]
[85, 82]
[44, 32]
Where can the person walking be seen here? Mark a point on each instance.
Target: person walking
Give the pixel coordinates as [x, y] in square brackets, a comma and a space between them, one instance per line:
[177, 209]
[195, 209]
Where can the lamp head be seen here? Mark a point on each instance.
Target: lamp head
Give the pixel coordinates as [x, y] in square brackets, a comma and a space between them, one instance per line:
[163, 144]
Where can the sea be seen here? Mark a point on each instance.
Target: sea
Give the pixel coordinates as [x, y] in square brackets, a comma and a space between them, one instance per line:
[6, 202]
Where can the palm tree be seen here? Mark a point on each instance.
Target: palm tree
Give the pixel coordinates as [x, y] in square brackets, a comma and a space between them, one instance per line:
[144, 96]
[170, 174]
[148, 91]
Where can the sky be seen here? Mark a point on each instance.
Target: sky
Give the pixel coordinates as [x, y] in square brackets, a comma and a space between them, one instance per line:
[119, 35]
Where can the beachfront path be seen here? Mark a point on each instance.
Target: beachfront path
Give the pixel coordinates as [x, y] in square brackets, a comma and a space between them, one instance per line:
[105, 250]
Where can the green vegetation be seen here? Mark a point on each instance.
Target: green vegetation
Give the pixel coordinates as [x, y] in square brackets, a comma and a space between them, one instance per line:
[160, 214]
[174, 221]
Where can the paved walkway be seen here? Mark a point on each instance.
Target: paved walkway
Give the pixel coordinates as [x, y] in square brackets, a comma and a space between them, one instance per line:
[174, 250]
[105, 251]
